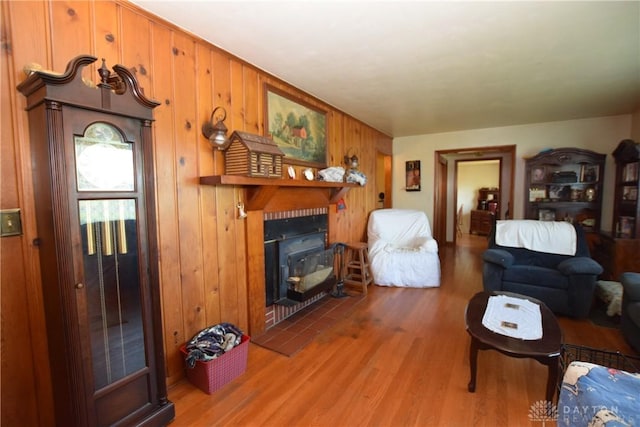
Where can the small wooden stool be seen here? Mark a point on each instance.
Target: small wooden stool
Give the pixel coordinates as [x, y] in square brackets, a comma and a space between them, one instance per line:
[357, 272]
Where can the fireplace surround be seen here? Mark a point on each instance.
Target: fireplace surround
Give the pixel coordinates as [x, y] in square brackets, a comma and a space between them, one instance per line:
[266, 199]
[298, 264]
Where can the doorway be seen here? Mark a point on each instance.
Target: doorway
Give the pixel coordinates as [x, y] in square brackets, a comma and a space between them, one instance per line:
[445, 211]
[475, 182]
[383, 180]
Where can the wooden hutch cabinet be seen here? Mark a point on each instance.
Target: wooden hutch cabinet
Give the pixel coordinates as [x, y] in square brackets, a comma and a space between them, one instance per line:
[626, 209]
[487, 210]
[565, 184]
[95, 212]
[619, 251]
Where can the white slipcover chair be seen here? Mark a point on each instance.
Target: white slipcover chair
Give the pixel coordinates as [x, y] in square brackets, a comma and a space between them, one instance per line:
[402, 251]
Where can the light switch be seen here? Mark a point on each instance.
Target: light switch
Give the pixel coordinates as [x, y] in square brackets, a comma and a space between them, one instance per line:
[11, 224]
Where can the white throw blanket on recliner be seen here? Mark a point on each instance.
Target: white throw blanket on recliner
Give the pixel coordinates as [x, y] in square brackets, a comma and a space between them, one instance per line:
[402, 251]
[556, 237]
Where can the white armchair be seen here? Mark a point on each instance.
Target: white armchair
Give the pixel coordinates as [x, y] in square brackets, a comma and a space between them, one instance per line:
[402, 251]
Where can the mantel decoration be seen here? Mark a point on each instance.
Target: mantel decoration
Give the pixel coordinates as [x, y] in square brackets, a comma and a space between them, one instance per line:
[413, 175]
[253, 155]
[216, 132]
[351, 161]
[297, 128]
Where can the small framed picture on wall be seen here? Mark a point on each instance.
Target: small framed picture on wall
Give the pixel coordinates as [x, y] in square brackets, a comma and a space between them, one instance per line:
[413, 175]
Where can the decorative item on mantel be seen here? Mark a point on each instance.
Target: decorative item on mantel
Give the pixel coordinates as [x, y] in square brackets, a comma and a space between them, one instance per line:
[217, 133]
[352, 174]
[351, 161]
[253, 155]
[338, 174]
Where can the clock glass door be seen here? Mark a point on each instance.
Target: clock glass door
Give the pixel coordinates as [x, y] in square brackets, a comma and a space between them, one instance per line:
[112, 286]
[109, 203]
[104, 161]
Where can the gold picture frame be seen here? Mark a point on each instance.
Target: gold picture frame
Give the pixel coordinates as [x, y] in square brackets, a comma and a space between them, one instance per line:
[298, 128]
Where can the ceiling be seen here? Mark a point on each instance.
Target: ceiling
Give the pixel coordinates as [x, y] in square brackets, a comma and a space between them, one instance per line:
[418, 67]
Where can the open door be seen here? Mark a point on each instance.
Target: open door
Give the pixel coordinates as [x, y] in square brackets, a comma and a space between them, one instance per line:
[440, 199]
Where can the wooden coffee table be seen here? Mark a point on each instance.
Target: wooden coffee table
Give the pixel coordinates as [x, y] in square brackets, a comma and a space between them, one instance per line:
[545, 350]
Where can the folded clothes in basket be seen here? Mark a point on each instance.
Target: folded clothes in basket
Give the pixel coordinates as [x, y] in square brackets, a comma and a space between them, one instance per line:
[212, 342]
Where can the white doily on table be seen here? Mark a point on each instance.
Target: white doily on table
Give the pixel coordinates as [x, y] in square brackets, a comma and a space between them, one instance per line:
[513, 317]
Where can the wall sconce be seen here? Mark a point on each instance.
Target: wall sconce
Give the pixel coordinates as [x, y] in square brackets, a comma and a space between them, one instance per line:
[352, 161]
[217, 133]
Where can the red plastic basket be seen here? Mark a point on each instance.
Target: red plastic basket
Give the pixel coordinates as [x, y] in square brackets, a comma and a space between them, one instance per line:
[211, 375]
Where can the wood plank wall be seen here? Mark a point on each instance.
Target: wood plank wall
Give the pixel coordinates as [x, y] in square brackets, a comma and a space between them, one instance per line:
[202, 245]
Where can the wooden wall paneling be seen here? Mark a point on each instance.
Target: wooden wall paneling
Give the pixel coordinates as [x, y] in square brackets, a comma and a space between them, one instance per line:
[368, 145]
[337, 149]
[225, 249]
[206, 105]
[226, 246]
[226, 209]
[107, 36]
[253, 94]
[352, 199]
[19, 402]
[17, 373]
[334, 139]
[9, 197]
[241, 301]
[20, 48]
[384, 144]
[71, 34]
[256, 298]
[378, 179]
[288, 198]
[363, 201]
[28, 46]
[220, 97]
[349, 198]
[187, 137]
[136, 53]
[166, 199]
[221, 68]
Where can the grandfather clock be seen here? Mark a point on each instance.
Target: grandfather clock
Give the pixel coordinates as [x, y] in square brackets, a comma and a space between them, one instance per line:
[93, 176]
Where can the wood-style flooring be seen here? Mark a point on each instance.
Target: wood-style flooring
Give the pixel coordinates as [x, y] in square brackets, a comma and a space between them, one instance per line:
[400, 358]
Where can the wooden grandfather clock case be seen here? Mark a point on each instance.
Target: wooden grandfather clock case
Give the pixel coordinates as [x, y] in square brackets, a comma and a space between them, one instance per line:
[93, 179]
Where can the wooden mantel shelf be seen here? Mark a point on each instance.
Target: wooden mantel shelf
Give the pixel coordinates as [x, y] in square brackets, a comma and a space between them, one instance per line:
[263, 189]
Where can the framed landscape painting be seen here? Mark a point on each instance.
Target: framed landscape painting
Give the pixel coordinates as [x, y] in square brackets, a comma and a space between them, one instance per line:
[298, 128]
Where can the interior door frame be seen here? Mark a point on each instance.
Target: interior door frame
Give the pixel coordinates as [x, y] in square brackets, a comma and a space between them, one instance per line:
[441, 184]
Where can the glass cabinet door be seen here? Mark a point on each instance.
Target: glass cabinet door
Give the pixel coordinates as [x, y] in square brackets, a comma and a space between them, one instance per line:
[110, 253]
[112, 286]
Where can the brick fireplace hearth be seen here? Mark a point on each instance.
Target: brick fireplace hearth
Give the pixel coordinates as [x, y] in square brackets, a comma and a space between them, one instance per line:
[280, 228]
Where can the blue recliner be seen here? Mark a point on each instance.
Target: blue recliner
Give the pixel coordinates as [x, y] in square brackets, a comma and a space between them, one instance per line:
[630, 315]
[565, 283]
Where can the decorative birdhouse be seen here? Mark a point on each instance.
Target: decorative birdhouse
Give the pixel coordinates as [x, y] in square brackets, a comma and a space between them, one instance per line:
[253, 155]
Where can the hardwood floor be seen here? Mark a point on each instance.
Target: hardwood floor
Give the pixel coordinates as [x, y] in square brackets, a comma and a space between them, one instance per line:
[399, 359]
